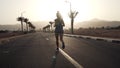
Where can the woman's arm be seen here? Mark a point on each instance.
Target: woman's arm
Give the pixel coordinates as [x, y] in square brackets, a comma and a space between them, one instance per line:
[63, 23]
[55, 23]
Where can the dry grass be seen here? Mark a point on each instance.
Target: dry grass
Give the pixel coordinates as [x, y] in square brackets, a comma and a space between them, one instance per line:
[98, 33]
[5, 35]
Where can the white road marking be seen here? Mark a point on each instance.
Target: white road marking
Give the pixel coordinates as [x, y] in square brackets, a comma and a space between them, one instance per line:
[75, 63]
[47, 38]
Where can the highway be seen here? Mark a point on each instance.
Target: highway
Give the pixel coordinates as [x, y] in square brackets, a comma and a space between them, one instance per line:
[37, 50]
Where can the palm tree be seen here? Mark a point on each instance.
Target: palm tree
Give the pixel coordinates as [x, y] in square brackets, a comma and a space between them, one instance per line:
[48, 27]
[29, 23]
[31, 26]
[21, 19]
[72, 15]
[26, 21]
[51, 24]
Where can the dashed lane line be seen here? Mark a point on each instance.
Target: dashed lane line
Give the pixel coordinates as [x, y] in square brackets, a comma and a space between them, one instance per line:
[47, 38]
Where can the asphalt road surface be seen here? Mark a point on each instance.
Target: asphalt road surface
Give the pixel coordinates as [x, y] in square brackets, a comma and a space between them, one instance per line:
[37, 50]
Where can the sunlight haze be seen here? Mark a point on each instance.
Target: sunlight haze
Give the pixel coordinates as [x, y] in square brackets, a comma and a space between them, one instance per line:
[45, 10]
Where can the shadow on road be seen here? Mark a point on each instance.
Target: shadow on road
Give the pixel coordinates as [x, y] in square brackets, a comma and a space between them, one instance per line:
[54, 59]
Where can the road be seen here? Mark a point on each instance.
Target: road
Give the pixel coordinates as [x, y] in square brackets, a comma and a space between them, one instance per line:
[37, 50]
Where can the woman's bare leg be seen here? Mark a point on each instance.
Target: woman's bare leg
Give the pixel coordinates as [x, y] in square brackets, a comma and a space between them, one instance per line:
[57, 40]
[61, 39]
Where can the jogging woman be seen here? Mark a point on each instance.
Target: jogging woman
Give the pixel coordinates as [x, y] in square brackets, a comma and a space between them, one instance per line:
[59, 23]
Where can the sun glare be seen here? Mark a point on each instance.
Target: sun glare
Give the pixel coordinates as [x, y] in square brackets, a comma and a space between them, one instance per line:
[83, 7]
[46, 9]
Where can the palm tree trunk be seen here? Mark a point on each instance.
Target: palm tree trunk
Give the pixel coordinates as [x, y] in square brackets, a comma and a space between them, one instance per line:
[51, 27]
[22, 26]
[72, 21]
[27, 27]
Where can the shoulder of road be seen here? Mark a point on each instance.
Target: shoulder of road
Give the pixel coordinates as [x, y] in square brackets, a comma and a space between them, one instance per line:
[113, 40]
[5, 40]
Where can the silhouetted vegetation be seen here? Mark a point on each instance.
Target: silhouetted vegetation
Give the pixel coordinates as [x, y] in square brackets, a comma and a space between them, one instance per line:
[107, 28]
[29, 26]
[21, 19]
[112, 32]
[72, 15]
[46, 28]
[51, 23]
[4, 31]
[118, 27]
[26, 21]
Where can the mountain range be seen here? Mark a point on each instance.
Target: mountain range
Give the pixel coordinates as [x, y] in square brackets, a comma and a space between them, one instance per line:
[14, 27]
[84, 24]
[97, 23]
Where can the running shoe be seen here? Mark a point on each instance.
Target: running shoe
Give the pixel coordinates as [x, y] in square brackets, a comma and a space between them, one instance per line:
[57, 49]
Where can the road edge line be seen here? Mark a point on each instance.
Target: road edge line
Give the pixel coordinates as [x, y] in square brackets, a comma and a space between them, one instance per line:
[75, 63]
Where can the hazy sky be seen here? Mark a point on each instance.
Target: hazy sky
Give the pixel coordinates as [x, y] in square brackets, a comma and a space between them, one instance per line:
[45, 10]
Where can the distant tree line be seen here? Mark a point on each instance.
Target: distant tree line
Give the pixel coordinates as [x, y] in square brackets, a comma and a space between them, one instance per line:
[29, 25]
[107, 27]
[118, 27]
[48, 27]
[4, 31]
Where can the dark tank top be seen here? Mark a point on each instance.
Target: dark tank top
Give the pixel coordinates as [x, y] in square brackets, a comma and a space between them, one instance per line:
[58, 26]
